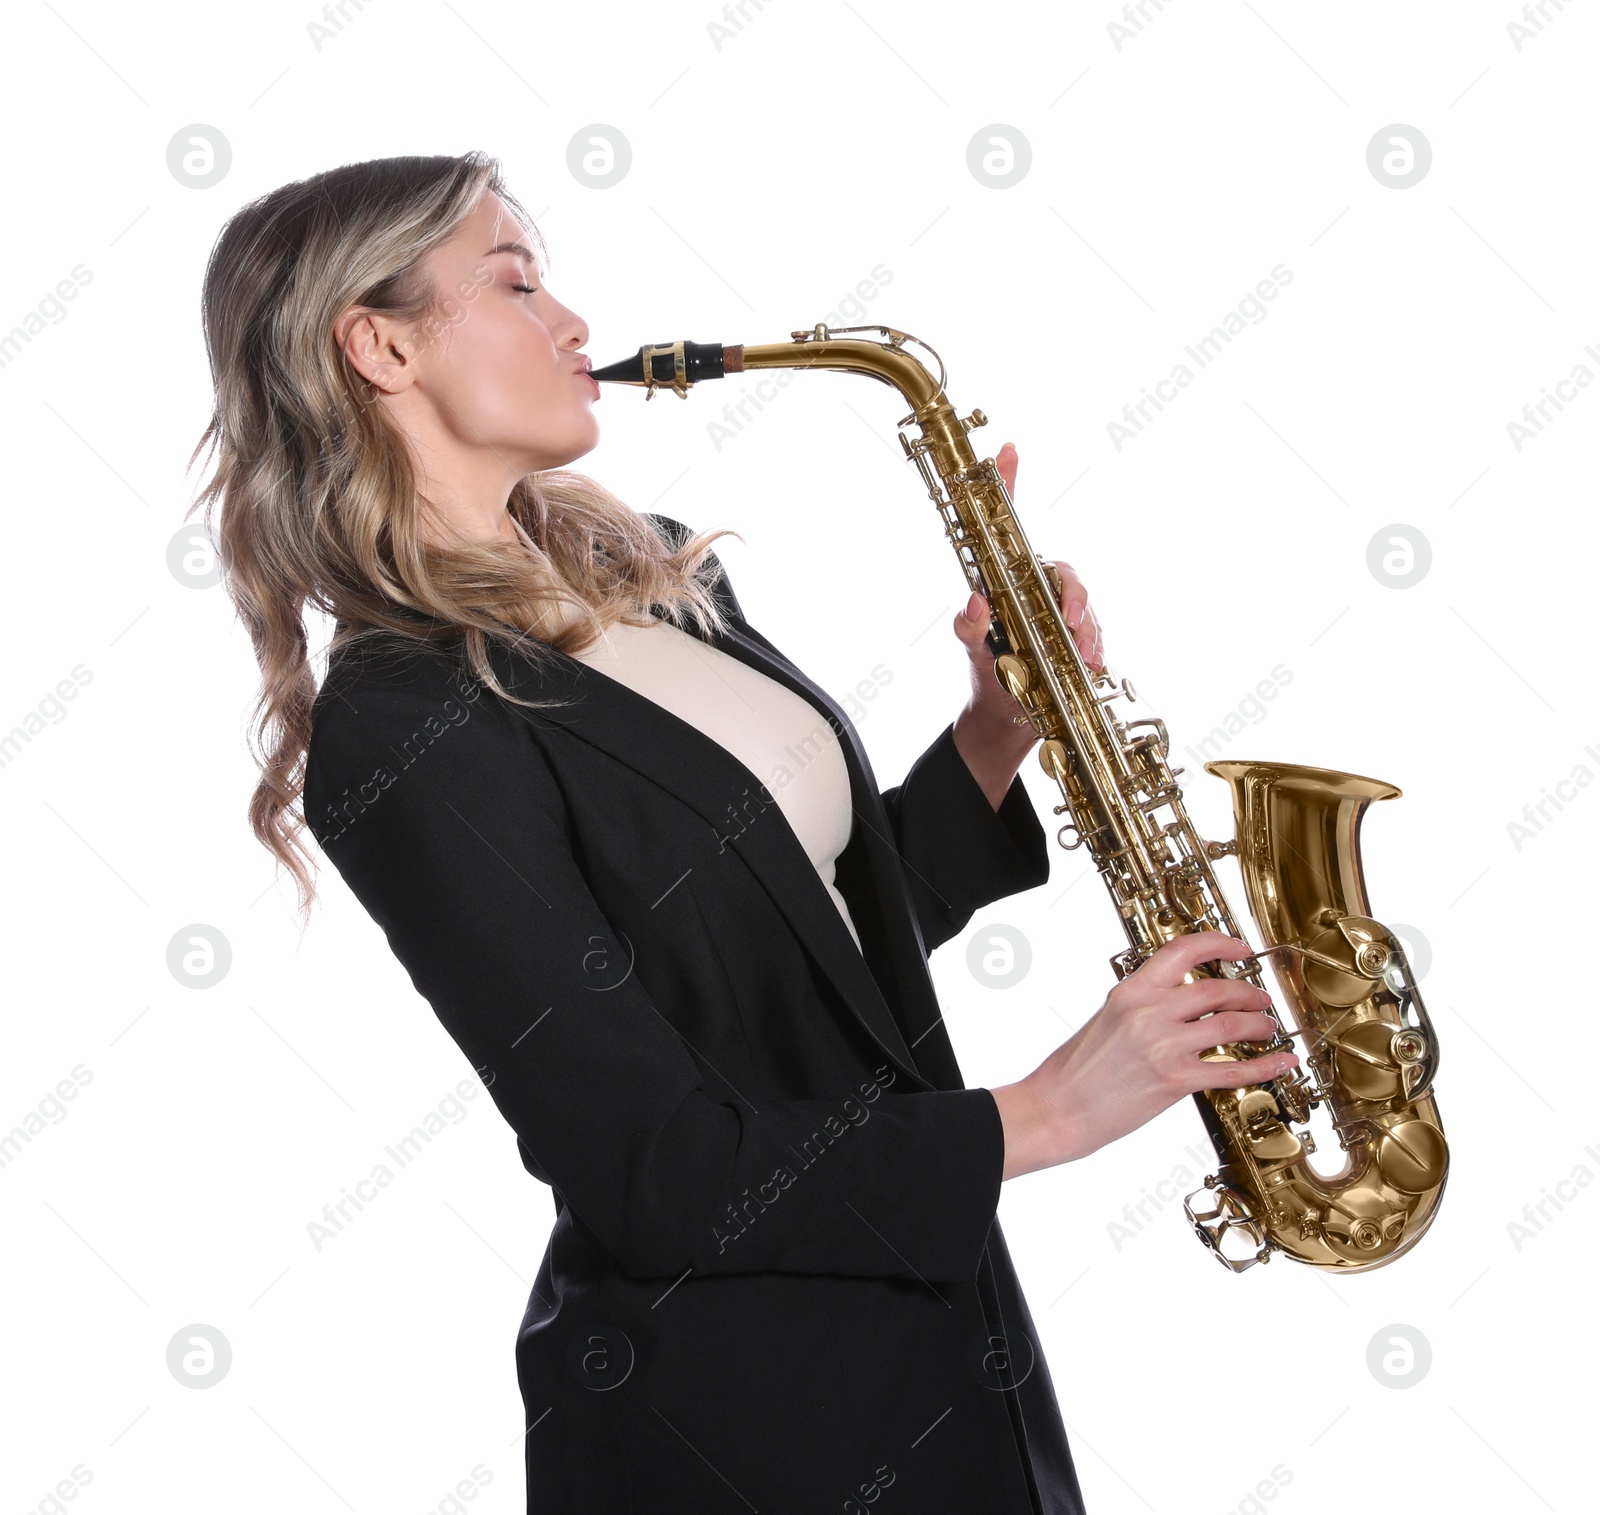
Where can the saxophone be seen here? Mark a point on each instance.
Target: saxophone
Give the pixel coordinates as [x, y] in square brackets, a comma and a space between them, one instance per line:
[1368, 1048]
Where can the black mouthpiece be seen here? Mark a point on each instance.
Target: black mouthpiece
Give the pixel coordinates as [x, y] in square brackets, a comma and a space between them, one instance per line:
[672, 365]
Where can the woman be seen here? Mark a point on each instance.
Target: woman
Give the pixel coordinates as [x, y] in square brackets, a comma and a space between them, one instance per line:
[700, 999]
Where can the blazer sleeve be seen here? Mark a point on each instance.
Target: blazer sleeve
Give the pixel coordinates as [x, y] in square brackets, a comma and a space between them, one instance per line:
[958, 852]
[463, 859]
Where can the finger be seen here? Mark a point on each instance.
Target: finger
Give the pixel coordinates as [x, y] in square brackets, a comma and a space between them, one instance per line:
[971, 624]
[1074, 597]
[1237, 1075]
[1166, 966]
[1097, 658]
[1230, 1026]
[1207, 995]
[1005, 461]
[1087, 637]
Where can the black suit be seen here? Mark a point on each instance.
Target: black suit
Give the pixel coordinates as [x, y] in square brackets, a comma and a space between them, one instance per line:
[775, 1280]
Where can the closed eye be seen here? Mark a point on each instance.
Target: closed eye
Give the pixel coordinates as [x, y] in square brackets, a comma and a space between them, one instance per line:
[525, 289]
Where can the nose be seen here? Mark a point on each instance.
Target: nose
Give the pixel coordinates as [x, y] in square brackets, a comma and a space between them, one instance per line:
[574, 329]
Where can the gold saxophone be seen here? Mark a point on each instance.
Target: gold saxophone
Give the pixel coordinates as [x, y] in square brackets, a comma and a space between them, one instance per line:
[1368, 1048]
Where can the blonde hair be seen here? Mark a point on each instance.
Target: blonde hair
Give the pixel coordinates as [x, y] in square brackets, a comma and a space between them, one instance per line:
[314, 500]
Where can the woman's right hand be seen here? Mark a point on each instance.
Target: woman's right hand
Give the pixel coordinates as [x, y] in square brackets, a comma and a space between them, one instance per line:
[1139, 1054]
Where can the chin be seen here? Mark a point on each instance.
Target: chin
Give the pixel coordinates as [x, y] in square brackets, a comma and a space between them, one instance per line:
[582, 440]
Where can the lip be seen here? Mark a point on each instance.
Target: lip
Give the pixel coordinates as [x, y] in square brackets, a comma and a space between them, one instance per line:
[593, 382]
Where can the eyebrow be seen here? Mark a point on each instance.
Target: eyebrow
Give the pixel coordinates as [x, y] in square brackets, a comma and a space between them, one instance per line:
[511, 247]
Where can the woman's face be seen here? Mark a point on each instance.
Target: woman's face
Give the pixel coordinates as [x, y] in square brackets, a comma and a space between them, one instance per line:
[493, 386]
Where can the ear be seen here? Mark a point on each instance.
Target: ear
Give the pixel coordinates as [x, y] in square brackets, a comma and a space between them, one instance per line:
[378, 347]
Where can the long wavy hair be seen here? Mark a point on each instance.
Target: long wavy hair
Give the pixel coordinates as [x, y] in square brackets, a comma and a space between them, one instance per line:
[314, 500]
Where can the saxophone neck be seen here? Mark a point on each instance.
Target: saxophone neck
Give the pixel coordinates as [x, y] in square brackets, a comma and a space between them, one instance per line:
[679, 366]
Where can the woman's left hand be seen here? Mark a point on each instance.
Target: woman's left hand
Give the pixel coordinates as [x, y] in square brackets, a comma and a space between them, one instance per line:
[987, 732]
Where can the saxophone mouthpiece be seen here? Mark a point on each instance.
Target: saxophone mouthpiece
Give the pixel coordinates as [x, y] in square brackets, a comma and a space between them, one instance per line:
[672, 365]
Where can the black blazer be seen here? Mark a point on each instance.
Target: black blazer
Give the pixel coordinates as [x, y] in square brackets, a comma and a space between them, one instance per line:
[775, 1280]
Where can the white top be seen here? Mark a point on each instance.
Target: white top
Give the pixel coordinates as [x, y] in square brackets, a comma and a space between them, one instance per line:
[780, 737]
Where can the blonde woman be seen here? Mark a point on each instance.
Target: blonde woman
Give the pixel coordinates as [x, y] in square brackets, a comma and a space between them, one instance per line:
[639, 866]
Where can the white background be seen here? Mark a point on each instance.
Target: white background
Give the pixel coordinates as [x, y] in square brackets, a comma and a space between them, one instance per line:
[772, 170]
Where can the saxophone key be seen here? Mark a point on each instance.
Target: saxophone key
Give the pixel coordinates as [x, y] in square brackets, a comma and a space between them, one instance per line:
[1160, 798]
[1013, 675]
[1078, 837]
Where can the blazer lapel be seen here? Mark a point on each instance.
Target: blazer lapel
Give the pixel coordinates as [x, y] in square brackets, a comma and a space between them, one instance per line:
[906, 954]
[708, 778]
